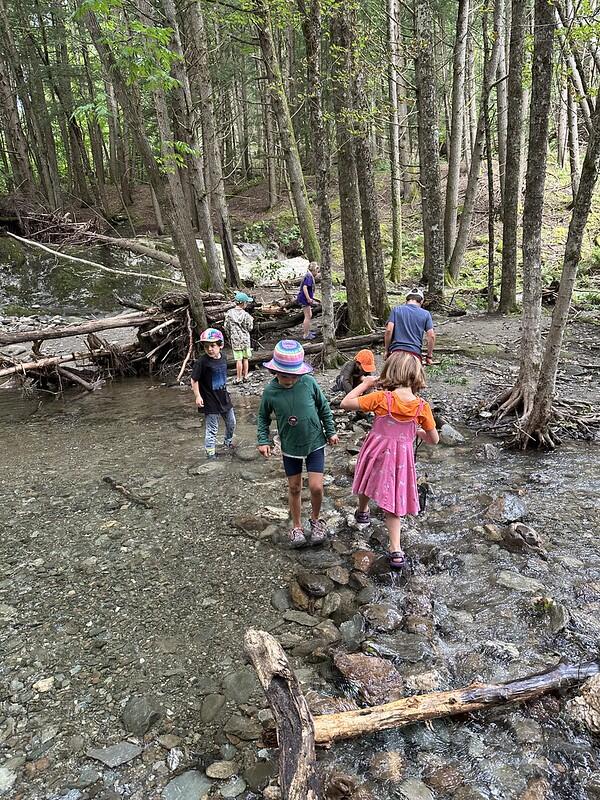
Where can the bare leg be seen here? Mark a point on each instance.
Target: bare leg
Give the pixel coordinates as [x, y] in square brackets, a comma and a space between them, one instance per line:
[246, 367]
[363, 503]
[295, 499]
[393, 525]
[238, 370]
[315, 484]
[306, 323]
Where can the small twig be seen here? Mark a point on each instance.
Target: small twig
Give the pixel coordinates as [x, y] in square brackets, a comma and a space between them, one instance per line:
[126, 492]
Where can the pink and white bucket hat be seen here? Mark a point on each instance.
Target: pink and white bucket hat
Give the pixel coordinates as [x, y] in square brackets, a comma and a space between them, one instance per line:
[288, 357]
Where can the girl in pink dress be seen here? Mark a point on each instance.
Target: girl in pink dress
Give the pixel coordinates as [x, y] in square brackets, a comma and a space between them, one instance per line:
[385, 471]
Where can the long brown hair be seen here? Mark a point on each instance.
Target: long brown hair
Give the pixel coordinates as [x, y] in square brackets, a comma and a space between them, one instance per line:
[402, 369]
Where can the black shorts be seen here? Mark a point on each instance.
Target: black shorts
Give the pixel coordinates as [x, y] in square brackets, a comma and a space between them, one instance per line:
[315, 462]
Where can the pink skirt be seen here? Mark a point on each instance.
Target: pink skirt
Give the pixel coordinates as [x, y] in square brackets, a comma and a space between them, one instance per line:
[385, 470]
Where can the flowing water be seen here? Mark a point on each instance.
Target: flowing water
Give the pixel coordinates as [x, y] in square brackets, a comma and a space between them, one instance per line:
[109, 598]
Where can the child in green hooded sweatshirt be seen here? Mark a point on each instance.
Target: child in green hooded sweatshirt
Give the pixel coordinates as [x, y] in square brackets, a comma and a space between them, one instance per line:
[305, 425]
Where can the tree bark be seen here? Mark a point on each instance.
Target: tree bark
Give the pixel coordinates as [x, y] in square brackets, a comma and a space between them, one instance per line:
[490, 173]
[455, 141]
[409, 185]
[541, 84]
[573, 141]
[393, 14]
[192, 264]
[512, 175]
[490, 71]
[341, 31]
[200, 78]
[368, 201]
[298, 776]
[330, 728]
[429, 151]
[502, 100]
[312, 31]
[16, 141]
[537, 427]
[561, 120]
[262, 17]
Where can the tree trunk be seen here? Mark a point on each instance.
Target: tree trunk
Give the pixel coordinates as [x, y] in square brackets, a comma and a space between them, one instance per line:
[429, 151]
[200, 78]
[368, 201]
[561, 121]
[312, 30]
[573, 141]
[541, 84]
[16, 141]
[341, 31]
[490, 172]
[393, 14]
[409, 185]
[502, 101]
[455, 141]
[169, 192]
[118, 160]
[490, 71]
[269, 143]
[537, 427]
[262, 17]
[160, 225]
[512, 179]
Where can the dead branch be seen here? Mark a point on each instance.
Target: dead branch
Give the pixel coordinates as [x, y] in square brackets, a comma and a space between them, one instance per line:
[134, 498]
[81, 329]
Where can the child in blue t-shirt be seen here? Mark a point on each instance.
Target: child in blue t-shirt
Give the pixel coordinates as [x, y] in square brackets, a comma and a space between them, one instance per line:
[306, 298]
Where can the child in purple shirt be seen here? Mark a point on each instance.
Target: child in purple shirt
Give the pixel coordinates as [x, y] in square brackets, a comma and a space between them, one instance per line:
[306, 298]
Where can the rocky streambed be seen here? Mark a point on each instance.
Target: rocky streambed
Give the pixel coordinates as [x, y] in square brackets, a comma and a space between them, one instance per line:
[122, 617]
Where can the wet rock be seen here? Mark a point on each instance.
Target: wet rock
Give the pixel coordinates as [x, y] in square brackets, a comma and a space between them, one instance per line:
[221, 770]
[585, 708]
[44, 685]
[430, 681]
[246, 454]
[258, 775]
[243, 727]
[527, 731]
[502, 650]
[445, 778]
[374, 678]
[339, 575]
[592, 787]
[388, 766]
[204, 468]
[7, 779]
[301, 618]
[272, 793]
[353, 632]
[191, 785]
[315, 584]
[536, 789]
[340, 786]
[518, 582]
[232, 788]
[325, 704]
[420, 625]
[240, 685]
[418, 605]
[116, 754]
[300, 600]
[382, 617]
[491, 532]
[331, 604]
[490, 452]
[363, 560]
[559, 618]
[413, 789]
[412, 647]
[169, 740]
[140, 714]
[450, 436]
[280, 599]
[506, 508]
[211, 707]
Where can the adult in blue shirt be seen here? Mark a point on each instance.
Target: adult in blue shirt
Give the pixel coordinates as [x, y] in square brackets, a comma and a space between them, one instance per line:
[407, 325]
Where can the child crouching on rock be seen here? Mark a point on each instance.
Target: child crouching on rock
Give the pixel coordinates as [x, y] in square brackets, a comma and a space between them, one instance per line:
[305, 425]
[385, 470]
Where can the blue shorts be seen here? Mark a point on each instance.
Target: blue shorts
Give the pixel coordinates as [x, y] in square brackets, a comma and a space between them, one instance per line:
[315, 462]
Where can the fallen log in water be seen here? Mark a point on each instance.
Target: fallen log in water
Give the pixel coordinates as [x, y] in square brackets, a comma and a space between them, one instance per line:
[476, 697]
[81, 328]
[349, 343]
[135, 246]
[298, 732]
[297, 758]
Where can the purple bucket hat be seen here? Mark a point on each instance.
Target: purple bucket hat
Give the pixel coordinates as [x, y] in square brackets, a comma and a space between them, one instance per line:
[288, 357]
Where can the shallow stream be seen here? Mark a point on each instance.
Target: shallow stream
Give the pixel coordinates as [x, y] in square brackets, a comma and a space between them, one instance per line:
[110, 599]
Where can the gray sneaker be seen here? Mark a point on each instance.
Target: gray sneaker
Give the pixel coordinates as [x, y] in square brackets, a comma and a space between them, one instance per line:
[296, 537]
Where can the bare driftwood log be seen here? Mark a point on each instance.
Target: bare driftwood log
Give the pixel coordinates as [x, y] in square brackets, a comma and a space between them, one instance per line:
[297, 759]
[81, 329]
[132, 496]
[52, 361]
[347, 724]
[135, 246]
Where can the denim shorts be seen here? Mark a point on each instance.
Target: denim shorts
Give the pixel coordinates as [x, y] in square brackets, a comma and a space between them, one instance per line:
[315, 462]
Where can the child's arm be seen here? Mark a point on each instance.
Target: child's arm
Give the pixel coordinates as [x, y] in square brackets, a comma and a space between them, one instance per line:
[350, 402]
[428, 435]
[325, 415]
[197, 395]
[262, 425]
